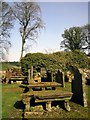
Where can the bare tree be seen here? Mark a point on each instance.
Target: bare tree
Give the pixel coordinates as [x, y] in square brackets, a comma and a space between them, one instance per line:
[28, 15]
[86, 30]
[6, 23]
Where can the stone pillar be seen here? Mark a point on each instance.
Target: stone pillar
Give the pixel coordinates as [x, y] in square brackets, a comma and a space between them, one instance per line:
[29, 79]
[27, 104]
[66, 105]
[48, 105]
[63, 80]
[84, 90]
[32, 74]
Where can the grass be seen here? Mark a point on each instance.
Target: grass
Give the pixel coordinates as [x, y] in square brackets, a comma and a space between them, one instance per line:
[12, 105]
[10, 96]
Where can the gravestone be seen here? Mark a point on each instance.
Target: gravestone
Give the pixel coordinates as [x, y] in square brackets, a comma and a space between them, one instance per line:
[78, 88]
[43, 75]
[30, 75]
[60, 78]
[49, 77]
[8, 75]
[18, 72]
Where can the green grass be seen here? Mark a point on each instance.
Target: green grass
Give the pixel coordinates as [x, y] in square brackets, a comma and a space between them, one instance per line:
[10, 95]
[12, 106]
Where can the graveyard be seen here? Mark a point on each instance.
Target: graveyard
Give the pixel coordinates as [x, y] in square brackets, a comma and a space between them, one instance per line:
[44, 75]
[12, 106]
[44, 95]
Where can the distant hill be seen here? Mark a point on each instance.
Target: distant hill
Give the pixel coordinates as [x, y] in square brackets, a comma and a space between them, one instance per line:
[6, 65]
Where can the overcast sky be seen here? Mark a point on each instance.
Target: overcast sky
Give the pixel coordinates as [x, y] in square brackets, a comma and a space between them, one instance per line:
[57, 17]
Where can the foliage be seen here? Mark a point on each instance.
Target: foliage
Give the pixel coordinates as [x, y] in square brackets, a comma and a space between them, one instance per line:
[55, 61]
[29, 18]
[74, 39]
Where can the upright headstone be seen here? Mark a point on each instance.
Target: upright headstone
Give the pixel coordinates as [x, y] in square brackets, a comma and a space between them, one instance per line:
[84, 88]
[49, 77]
[60, 78]
[43, 75]
[18, 72]
[8, 75]
[78, 88]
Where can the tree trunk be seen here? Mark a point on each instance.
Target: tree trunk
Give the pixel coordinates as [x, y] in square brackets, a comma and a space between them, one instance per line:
[22, 49]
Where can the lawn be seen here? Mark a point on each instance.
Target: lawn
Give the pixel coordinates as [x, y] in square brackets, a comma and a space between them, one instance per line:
[12, 106]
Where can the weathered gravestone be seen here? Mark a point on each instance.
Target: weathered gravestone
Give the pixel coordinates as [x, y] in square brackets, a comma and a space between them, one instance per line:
[60, 78]
[49, 77]
[78, 88]
[8, 75]
[30, 75]
[43, 75]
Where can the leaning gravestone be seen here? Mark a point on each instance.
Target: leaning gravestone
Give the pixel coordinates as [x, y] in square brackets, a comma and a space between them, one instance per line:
[78, 88]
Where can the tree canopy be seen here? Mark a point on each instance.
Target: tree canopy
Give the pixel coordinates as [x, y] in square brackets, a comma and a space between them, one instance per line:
[73, 39]
[53, 62]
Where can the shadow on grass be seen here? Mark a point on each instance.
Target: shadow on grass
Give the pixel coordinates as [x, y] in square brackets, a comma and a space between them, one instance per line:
[19, 105]
[26, 89]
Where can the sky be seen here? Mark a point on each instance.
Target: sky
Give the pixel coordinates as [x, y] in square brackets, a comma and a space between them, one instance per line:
[57, 17]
